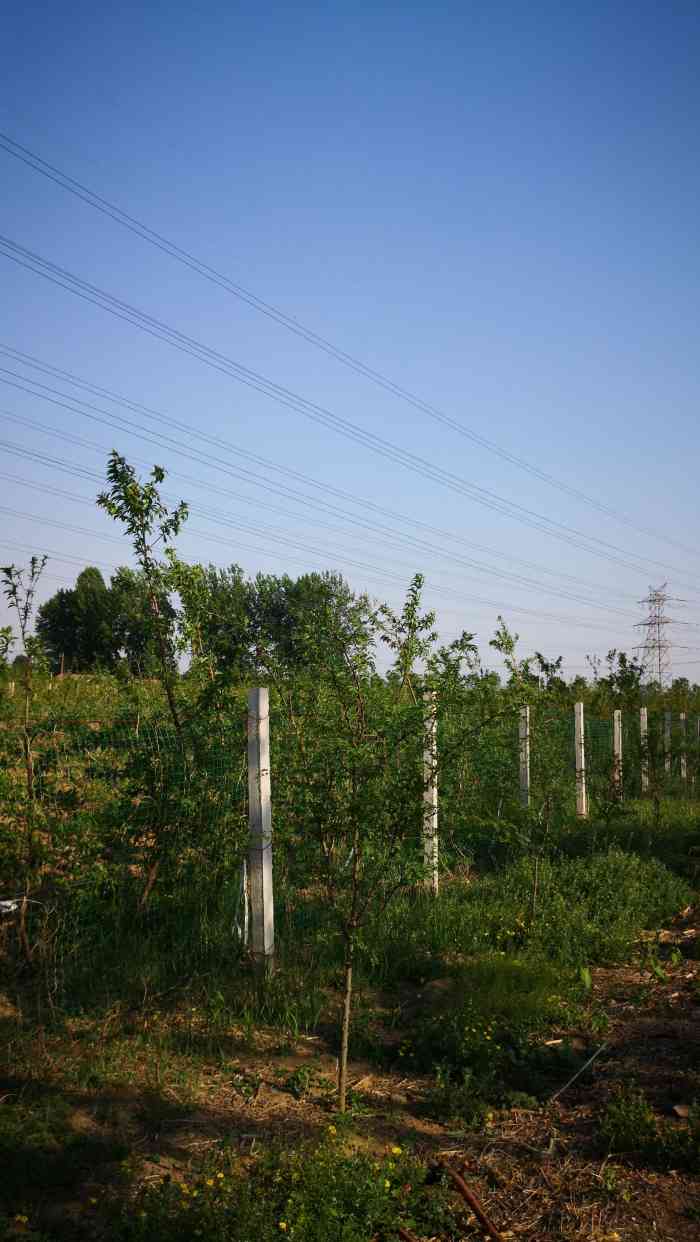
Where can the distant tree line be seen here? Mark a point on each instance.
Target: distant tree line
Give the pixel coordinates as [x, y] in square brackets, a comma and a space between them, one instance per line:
[215, 617]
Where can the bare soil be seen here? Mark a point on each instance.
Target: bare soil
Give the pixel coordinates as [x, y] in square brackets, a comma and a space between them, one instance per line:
[539, 1173]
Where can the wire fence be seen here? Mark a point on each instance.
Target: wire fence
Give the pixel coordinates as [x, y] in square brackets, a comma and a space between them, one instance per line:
[123, 828]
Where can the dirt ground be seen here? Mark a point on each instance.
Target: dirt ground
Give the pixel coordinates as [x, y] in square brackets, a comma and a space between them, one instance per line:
[537, 1172]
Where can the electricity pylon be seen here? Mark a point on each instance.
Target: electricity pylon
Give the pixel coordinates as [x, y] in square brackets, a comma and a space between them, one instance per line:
[656, 648]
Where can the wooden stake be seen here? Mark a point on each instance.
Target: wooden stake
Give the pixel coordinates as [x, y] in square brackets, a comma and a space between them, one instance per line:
[580, 743]
[524, 736]
[430, 795]
[262, 922]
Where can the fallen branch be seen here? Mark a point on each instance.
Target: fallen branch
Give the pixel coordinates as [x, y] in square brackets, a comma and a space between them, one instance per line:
[406, 1235]
[471, 1200]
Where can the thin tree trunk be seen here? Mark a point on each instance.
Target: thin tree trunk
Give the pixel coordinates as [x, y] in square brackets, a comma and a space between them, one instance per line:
[345, 1031]
[167, 681]
[28, 763]
[26, 742]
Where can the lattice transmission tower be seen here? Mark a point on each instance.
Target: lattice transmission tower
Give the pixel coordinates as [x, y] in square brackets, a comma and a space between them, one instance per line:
[656, 648]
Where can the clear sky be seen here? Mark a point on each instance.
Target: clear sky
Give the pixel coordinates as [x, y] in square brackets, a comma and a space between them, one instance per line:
[494, 205]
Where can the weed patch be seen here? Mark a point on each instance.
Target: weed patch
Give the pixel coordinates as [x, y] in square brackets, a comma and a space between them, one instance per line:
[311, 1195]
[629, 1127]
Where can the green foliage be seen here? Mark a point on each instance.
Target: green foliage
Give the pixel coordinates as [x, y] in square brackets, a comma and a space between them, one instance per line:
[77, 626]
[629, 1127]
[135, 639]
[308, 622]
[6, 643]
[148, 522]
[481, 1041]
[214, 620]
[140, 509]
[311, 1194]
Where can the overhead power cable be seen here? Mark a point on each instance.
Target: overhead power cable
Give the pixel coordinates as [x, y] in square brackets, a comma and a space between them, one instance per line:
[96, 413]
[319, 414]
[53, 555]
[225, 519]
[291, 324]
[383, 575]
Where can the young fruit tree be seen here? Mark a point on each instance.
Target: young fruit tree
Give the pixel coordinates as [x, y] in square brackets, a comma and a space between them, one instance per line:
[348, 771]
[148, 522]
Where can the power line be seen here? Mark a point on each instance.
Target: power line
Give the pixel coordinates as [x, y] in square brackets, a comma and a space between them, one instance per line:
[154, 415]
[56, 556]
[218, 517]
[221, 519]
[215, 276]
[300, 405]
[377, 572]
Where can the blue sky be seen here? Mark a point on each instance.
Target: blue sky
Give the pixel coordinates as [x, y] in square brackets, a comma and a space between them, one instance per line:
[494, 205]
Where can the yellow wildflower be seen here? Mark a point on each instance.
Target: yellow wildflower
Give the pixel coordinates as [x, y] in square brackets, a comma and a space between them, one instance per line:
[396, 1151]
[332, 1130]
[283, 1226]
[220, 1177]
[386, 1184]
[210, 1181]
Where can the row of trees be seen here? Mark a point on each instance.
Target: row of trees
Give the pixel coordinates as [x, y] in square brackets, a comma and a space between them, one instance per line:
[219, 621]
[350, 770]
[216, 617]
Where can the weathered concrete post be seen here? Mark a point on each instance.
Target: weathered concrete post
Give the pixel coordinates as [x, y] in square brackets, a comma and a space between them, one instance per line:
[430, 795]
[644, 747]
[262, 920]
[524, 737]
[580, 743]
[617, 752]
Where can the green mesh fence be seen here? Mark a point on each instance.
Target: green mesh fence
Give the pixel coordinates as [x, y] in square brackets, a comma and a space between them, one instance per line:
[127, 802]
[124, 818]
[552, 762]
[478, 768]
[659, 761]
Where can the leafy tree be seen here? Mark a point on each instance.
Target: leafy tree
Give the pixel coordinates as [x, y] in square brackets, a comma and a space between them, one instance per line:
[623, 686]
[75, 625]
[148, 522]
[350, 764]
[214, 621]
[19, 588]
[289, 616]
[7, 639]
[132, 624]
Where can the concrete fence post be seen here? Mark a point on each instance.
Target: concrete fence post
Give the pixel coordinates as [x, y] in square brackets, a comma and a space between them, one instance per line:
[644, 747]
[262, 919]
[430, 795]
[524, 738]
[617, 752]
[580, 743]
